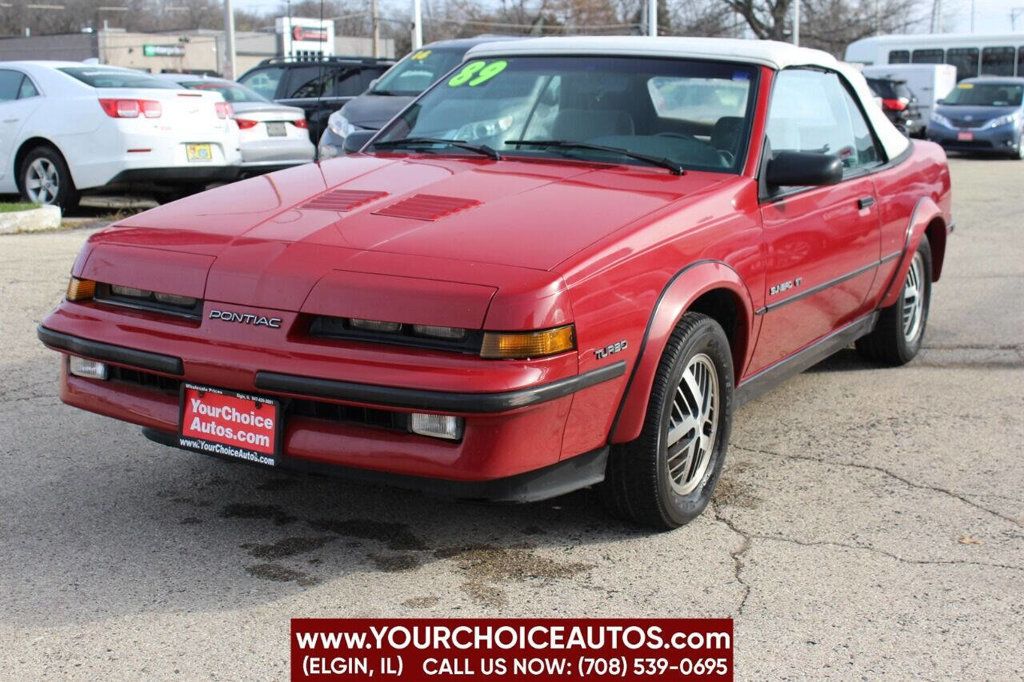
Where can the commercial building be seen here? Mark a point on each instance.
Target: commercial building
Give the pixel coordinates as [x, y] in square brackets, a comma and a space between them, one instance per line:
[188, 51]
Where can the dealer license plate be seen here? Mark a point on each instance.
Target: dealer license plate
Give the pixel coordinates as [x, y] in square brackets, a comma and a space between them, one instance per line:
[199, 152]
[276, 129]
[241, 425]
[965, 136]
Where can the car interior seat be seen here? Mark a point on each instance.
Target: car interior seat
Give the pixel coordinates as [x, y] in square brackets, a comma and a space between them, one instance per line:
[586, 124]
[725, 134]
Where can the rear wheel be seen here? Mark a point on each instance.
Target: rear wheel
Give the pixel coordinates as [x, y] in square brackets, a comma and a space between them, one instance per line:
[897, 337]
[665, 477]
[44, 178]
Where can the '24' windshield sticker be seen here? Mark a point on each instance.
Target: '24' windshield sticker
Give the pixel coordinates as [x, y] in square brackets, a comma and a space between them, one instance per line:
[477, 73]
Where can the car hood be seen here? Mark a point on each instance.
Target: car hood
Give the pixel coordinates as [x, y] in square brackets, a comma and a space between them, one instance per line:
[976, 113]
[373, 111]
[478, 222]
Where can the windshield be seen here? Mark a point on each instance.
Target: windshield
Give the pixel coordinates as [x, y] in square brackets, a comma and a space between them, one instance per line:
[694, 114]
[233, 92]
[99, 77]
[417, 72]
[986, 94]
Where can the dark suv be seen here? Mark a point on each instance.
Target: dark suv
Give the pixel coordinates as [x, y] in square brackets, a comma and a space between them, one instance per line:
[319, 86]
[400, 86]
[899, 104]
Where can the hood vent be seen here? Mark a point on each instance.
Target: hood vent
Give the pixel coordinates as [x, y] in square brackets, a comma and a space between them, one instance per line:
[427, 207]
[342, 200]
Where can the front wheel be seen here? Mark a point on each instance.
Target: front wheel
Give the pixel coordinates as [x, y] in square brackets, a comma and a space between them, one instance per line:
[897, 337]
[665, 478]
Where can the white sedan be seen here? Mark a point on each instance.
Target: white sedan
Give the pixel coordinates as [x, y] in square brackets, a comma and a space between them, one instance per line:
[272, 136]
[68, 127]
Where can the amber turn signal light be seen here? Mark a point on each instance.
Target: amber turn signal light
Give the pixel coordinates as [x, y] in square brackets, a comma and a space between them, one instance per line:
[521, 345]
[81, 289]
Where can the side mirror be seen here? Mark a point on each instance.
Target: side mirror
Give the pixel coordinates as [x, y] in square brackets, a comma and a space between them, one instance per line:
[801, 169]
[357, 139]
[940, 101]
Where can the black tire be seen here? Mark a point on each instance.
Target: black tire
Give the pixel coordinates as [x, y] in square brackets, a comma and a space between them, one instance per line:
[889, 343]
[637, 484]
[49, 159]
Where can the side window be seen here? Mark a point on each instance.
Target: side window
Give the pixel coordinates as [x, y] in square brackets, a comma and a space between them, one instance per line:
[965, 59]
[264, 81]
[309, 81]
[347, 84]
[812, 111]
[929, 56]
[10, 84]
[28, 89]
[998, 61]
[899, 56]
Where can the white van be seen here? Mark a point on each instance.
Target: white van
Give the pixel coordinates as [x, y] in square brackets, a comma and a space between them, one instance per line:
[928, 82]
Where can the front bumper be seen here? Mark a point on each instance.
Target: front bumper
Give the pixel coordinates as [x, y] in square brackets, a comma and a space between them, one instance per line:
[510, 450]
[999, 140]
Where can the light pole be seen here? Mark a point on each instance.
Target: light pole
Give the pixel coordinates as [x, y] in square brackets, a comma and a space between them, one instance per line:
[796, 23]
[652, 18]
[229, 41]
[417, 24]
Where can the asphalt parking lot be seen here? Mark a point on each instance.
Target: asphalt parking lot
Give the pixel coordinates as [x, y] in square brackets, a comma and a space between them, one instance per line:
[869, 523]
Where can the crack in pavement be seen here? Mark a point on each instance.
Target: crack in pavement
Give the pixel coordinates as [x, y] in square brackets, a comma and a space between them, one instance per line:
[882, 470]
[875, 550]
[737, 555]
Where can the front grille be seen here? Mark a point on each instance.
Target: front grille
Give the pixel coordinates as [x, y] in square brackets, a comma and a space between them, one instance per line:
[292, 407]
[144, 379]
[963, 123]
[364, 416]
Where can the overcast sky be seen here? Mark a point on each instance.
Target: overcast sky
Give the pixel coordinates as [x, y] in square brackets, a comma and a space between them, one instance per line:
[990, 16]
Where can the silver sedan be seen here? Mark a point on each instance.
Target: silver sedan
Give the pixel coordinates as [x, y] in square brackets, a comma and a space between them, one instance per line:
[271, 136]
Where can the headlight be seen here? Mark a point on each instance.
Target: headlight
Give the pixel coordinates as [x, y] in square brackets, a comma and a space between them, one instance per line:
[340, 125]
[145, 295]
[1003, 120]
[942, 120]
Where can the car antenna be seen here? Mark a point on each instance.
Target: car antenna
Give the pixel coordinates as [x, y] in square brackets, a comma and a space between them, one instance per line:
[320, 75]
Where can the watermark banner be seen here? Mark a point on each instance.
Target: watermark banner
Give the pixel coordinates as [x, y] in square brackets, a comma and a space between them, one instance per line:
[497, 649]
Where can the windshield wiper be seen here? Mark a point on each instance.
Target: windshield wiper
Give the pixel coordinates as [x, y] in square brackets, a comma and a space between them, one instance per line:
[460, 144]
[673, 166]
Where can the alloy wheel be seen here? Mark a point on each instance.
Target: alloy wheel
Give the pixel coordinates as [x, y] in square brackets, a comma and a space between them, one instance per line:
[913, 299]
[693, 425]
[42, 182]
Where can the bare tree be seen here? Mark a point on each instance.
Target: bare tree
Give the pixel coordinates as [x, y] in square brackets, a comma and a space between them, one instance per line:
[829, 25]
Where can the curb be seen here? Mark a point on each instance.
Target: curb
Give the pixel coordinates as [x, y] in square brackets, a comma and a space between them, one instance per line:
[42, 219]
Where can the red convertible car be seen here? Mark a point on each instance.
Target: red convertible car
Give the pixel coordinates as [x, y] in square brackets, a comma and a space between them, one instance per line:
[565, 264]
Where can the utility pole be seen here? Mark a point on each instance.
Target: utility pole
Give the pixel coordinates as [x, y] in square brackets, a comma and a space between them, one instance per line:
[417, 24]
[652, 18]
[375, 20]
[229, 40]
[796, 23]
[936, 16]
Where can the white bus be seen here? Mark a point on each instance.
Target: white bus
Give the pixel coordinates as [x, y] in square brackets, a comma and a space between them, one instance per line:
[973, 54]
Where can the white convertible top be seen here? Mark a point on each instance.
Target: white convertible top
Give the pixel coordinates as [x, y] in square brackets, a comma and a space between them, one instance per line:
[769, 53]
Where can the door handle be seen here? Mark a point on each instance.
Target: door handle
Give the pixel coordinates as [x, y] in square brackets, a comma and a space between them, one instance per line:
[11, 120]
[865, 202]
